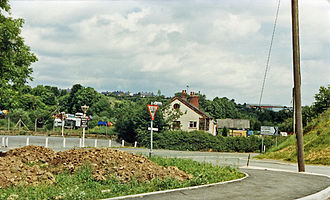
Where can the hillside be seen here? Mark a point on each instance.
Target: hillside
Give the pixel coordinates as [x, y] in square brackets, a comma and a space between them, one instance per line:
[316, 143]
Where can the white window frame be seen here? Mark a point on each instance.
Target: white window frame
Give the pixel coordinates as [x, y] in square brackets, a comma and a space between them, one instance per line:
[193, 124]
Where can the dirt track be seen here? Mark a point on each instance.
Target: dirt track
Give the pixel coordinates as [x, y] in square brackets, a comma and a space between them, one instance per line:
[37, 164]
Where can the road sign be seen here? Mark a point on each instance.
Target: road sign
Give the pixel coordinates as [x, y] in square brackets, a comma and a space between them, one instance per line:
[152, 110]
[154, 129]
[269, 130]
[84, 122]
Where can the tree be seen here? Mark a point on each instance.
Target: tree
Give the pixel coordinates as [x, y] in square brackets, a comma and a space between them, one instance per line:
[84, 96]
[322, 100]
[75, 88]
[224, 132]
[15, 56]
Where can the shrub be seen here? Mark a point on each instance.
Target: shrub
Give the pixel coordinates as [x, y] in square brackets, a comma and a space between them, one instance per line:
[202, 141]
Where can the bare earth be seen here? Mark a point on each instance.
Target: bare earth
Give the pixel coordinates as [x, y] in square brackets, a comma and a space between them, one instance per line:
[36, 164]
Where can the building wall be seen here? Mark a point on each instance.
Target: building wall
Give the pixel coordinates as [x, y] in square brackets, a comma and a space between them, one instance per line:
[237, 133]
[234, 123]
[190, 115]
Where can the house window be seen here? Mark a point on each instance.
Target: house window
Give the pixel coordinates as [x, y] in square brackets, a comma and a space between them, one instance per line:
[176, 125]
[176, 106]
[192, 124]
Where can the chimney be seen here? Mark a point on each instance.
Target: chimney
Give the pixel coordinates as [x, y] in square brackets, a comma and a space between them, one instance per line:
[184, 95]
[194, 99]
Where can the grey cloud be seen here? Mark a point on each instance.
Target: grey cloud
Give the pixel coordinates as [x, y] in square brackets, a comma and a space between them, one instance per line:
[146, 46]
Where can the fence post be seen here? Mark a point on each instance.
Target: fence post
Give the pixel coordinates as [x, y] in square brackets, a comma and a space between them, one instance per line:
[46, 145]
[135, 144]
[7, 142]
[3, 142]
[27, 141]
[122, 143]
[95, 143]
[80, 141]
[109, 143]
[63, 142]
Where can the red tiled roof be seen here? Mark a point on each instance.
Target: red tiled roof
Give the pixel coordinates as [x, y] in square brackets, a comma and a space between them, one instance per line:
[191, 106]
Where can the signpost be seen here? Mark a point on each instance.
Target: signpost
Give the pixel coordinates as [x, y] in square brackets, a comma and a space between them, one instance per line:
[152, 111]
[268, 130]
[84, 122]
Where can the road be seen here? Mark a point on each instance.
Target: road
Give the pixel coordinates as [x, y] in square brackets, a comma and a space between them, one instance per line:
[233, 159]
[260, 185]
[280, 181]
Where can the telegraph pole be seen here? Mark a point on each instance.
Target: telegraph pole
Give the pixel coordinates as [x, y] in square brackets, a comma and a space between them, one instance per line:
[297, 85]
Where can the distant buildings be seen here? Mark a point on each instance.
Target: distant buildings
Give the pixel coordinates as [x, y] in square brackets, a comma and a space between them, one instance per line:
[129, 94]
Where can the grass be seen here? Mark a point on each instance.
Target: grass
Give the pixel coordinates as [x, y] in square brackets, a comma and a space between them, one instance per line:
[316, 144]
[81, 185]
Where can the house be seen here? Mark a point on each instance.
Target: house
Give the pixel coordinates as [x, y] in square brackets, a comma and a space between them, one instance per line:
[192, 117]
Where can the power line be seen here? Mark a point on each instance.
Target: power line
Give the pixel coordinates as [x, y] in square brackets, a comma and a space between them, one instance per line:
[269, 51]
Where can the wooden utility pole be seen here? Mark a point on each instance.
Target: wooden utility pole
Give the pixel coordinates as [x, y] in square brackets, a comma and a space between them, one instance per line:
[297, 84]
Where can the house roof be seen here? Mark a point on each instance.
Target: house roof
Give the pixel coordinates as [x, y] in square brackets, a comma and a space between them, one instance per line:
[191, 106]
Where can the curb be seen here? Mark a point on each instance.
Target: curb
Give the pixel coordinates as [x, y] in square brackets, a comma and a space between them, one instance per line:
[176, 190]
[321, 195]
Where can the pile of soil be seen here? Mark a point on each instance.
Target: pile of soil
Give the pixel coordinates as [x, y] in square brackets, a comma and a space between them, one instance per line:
[37, 164]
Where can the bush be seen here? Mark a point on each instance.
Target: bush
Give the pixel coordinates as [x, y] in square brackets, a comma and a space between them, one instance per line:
[202, 141]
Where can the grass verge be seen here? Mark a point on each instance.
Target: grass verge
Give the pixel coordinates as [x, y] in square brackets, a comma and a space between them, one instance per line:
[316, 144]
[81, 185]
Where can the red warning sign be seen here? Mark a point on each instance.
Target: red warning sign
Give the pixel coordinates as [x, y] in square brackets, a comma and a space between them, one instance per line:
[152, 110]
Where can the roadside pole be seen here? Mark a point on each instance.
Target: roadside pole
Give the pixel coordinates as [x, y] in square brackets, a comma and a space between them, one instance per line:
[8, 123]
[151, 131]
[152, 111]
[262, 144]
[63, 113]
[268, 130]
[297, 85]
[276, 140]
[84, 122]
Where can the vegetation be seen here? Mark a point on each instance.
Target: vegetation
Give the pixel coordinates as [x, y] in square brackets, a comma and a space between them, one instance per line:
[316, 143]
[82, 185]
[131, 118]
[15, 57]
[201, 141]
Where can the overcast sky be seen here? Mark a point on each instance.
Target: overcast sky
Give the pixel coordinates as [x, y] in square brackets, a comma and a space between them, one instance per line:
[216, 47]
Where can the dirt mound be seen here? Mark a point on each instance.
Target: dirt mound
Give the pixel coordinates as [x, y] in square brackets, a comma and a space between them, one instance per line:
[36, 164]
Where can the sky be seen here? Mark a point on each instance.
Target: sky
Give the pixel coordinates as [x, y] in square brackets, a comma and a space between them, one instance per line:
[218, 48]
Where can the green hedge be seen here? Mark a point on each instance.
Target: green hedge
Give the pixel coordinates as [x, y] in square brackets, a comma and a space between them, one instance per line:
[201, 141]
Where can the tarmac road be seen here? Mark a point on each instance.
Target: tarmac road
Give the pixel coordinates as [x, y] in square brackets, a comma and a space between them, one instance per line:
[260, 185]
[281, 181]
[232, 159]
